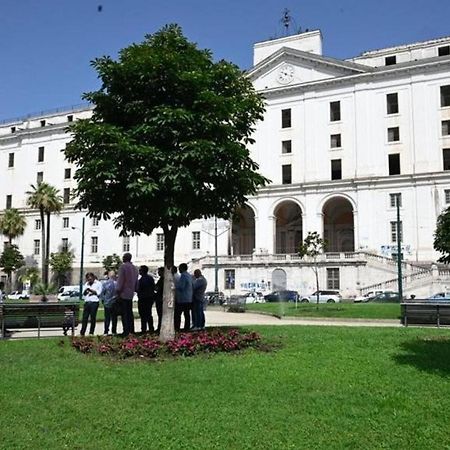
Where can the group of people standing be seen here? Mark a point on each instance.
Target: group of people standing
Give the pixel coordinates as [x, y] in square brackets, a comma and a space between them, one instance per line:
[116, 292]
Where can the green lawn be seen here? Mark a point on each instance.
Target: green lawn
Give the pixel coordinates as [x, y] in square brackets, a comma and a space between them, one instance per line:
[326, 388]
[339, 310]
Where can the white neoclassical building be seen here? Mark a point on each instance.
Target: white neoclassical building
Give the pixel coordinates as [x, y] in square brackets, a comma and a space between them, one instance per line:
[340, 141]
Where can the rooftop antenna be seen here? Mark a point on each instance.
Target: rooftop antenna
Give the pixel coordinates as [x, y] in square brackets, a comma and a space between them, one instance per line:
[286, 20]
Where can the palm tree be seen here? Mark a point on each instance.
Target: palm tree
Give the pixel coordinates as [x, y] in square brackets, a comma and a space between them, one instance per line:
[12, 224]
[46, 198]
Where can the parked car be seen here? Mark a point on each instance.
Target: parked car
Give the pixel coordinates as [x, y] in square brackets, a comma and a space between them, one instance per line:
[440, 297]
[324, 297]
[282, 296]
[368, 296]
[255, 297]
[19, 295]
[386, 297]
[69, 295]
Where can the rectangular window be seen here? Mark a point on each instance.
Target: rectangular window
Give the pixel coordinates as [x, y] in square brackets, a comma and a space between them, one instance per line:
[64, 244]
[333, 278]
[126, 244]
[336, 169]
[94, 244]
[445, 96]
[230, 278]
[446, 128]
[444, 51]
[66, 196]
[447, 196]
[37, 247]
[13, 130]
[37, 224]
[335, 111]
[286, 146]
[392, 103]
[446, 158]
[286, 174]
[41, 154]
[159, 242]
[42, 123]
[286, 118]
[390, 60]
[335, 141]
[8, 201]
[65, 222]
[39, 177]
[393, 200]
[394, 164]
[70, 118]
[11, 160]
[393, 134]
[196, 240]
[394, 232]
[95, 221]
[67, 174]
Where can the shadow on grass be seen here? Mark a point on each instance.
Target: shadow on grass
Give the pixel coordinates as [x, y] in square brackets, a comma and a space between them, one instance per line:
[430, 354]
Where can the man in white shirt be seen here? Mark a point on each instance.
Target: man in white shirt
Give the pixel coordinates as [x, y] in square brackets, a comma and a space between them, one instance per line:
[91, 292]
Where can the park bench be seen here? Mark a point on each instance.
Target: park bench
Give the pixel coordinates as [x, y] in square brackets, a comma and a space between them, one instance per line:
[38, 316]
[425, 313]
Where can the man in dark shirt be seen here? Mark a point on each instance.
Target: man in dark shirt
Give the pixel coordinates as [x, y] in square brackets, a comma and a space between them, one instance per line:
[159, 289]
[146, 295]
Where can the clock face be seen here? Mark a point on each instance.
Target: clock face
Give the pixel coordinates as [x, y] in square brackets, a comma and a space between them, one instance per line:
[285, 74]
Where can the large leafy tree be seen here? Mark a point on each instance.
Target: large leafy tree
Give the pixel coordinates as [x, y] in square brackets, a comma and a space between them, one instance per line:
[167, 142]
[47, 200]
[10, 260]
[442, 236]
[112, 262]
[12, 224]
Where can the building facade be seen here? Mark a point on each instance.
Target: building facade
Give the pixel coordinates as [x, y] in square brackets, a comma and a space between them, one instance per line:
[341, 141]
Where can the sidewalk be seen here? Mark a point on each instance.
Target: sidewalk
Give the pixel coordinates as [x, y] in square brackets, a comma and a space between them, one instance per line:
[219, 317]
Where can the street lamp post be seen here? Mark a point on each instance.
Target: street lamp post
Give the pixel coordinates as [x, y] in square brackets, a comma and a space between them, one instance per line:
[82, 255]
[399, 250]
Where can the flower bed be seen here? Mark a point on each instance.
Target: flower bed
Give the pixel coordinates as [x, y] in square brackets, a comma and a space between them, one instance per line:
[184, 344]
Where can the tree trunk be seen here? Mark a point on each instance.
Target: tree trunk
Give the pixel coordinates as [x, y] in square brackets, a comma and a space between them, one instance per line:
[316, 271]
[167, 326]
[47, 249]
[43, 247]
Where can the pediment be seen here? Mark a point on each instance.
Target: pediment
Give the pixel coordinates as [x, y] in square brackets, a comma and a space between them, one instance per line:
[288, 67]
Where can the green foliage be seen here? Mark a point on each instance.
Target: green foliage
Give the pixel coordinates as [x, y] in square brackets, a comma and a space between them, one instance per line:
[442, 236]
[11, 259]
[61, 264]
[12, 224]
[313, 245]
[44, 290]
[29, 274]
[112, 262]
[168, 136]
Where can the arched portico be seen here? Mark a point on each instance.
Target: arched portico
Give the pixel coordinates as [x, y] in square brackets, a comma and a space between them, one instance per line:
[338, 225]
[243, 231]
[288, 227]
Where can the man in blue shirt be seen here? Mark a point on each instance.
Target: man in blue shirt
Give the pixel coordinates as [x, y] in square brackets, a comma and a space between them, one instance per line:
[183, 298]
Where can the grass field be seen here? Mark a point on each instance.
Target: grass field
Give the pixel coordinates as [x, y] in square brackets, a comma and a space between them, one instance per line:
[326, 388]
[339, 310]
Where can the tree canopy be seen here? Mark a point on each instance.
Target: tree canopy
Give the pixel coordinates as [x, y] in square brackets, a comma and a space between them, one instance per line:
[442, 236]
[12, 224]
[168, 136]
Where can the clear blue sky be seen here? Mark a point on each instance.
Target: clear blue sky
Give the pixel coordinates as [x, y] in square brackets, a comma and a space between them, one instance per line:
[46, 45]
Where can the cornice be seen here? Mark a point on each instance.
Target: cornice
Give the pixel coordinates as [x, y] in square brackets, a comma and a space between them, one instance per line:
[26, 133]
[355, 184]
[360, 78]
